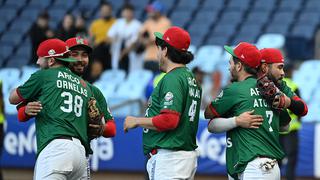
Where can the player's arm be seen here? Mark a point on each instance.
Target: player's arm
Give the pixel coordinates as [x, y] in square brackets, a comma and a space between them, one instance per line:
[297, 105]
[27, 111]
[171, 97]
[15, 97]
[245, 120]
[29, 90]
[165, 121]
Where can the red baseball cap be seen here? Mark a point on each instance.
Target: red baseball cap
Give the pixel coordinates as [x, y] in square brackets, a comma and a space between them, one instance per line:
[247, 53]
[271, 55]
[175, 37]
[79, 42]
[54, 48]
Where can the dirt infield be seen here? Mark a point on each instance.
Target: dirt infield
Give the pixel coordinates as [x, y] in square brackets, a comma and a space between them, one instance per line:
[27, 174]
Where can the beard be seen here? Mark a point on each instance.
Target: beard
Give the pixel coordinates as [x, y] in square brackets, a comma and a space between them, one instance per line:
[78, 68]
[234, 75]
[276, 81]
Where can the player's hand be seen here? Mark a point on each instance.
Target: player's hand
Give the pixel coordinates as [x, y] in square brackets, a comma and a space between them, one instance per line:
[33, 108]
[249, 120]
[281, 101]
[129, 123]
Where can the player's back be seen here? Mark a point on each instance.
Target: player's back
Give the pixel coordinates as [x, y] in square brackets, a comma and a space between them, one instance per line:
[245, 144]
[177, 91]
[64, 97]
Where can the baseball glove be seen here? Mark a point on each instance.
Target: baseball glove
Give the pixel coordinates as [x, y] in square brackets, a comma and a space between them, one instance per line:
[95, 122]
[270, 92]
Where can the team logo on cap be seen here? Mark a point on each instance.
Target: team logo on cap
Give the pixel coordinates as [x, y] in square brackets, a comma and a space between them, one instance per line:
[51, 52]
[79, 40]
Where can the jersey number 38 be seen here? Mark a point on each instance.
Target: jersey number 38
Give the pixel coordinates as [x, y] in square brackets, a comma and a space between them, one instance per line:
[72, 104]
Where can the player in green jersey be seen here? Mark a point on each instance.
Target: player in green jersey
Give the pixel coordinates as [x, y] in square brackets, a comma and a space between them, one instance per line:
[79, 50]
[61, 126]
[251, 152]
[171, 120]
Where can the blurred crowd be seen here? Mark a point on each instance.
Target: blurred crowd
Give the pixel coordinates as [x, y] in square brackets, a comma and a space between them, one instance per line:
[118, 43]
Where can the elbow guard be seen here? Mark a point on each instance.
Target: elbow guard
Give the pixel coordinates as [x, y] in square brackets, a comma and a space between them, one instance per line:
[166, 120]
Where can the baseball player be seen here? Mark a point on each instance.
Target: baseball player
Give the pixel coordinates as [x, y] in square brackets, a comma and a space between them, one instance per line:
[171, 120]
[252, 152]
[61, 125]
[272, 66]
[80, 51]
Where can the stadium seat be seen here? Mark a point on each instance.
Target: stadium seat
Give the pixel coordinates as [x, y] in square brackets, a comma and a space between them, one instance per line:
[309, 18]
[187, 5]
[245, 38]
[114, 76]
[205, 17]
[66, 4]
[207, 56]
[225, 29]
[216, 6]
[299, 48]
[57, 13]
[8, 13]
[302, 30]
[232, 17]
[30, 12]
[283, 17]
[16, 3]
[107, 89]
[93, 4]
[288, 5]
[17, 61]
[239, 5]
[130, 90]
[9, 77]
[6, 50]
[271, 41]
[278, 28]
[192, 49]
[43, 4]
[141, 76]
[12, 38]
[261, 5]
[312, 5]
[253, 29]
[180, 18]
[258, 17]
[21, 26]
[217, 40]
[3, 26]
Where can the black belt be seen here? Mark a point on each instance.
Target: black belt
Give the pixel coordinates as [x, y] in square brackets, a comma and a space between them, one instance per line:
[151, 153]
[65, 137]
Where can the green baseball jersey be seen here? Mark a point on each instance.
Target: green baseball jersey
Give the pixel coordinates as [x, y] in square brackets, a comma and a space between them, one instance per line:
[177, 91]
[283, 87]
[64, 98]
[243, 145]
[101, 102]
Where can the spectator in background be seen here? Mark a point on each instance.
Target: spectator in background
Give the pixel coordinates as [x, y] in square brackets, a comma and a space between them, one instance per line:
[156, 22]
[39, 32]
[66, 29]
[80, 26]
[97, 31]
[123, 35]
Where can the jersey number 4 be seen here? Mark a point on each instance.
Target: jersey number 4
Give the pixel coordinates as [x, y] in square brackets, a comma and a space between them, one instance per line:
[192, 110]
[70, 104]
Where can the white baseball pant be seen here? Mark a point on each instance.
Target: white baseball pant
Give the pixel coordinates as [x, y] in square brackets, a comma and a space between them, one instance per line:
[62, 159]
[172, 165]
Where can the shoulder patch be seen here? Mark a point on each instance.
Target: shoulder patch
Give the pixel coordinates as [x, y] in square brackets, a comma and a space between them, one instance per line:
[168, 96]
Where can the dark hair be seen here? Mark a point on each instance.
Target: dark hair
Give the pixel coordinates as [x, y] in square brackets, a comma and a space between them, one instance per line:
[128, 7]
[106, 3]
[175, 55]
[248, 69]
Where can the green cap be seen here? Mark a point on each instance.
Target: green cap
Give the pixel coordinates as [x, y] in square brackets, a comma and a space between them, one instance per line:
[230, 50]
[158, 35]
[67, 59]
